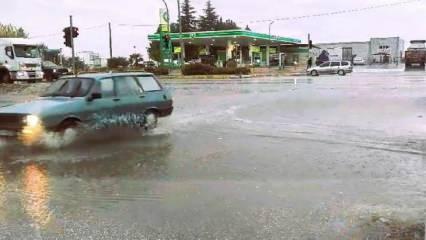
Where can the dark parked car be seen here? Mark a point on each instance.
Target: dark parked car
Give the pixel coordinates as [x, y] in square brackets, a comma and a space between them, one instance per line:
[53, 71]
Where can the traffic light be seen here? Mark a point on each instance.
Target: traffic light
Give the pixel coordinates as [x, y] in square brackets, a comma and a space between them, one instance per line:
[75, 32]
[166, 39]
[67, 37]
[68, 33]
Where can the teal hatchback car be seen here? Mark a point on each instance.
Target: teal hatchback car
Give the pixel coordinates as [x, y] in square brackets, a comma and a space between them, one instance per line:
[95, 100]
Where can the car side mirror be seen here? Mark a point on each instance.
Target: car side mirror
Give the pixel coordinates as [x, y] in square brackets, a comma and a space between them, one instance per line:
[94, 96]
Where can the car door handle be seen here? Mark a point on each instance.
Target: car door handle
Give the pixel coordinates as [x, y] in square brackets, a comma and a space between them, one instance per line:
[116, 99]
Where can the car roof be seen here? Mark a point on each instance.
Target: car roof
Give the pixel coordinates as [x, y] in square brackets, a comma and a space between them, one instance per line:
[99, 76]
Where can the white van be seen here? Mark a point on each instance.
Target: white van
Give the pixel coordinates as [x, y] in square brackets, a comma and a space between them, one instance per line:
[20, 60]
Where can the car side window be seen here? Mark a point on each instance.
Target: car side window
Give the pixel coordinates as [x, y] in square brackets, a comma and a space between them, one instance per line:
[325, 64]
[335, 64]
[107, 88]
[345, 64]
[148, 83]
[127, 86]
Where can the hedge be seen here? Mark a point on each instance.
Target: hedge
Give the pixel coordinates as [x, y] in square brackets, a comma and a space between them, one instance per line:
[204, 69]
[157, 70]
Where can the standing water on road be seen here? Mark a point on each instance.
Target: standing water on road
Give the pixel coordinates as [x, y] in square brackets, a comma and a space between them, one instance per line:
[272, 158]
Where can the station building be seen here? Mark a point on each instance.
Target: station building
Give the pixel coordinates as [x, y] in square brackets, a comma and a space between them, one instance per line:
[247, 48]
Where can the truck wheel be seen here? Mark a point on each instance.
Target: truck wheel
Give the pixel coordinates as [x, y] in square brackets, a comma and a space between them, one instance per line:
[407, 66]
[5, 76]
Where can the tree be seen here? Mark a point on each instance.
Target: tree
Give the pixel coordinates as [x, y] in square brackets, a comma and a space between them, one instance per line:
[10, 31]
[135, 59]
[227, 25]
[154, 51]
[189, 22]
[209, 20]
[79, 64]
[117, 62]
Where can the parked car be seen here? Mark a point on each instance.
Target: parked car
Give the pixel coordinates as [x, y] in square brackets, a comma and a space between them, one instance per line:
[359, 61]
[93, 100]
[52, 71]
[340, 67]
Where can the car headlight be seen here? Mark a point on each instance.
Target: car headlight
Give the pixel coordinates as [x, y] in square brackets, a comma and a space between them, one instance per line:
[32, 120]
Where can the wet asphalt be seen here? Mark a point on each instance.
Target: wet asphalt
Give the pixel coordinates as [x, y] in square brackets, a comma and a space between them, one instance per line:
[273, 158]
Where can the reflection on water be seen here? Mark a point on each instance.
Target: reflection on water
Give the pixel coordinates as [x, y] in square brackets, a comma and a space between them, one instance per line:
[36, 194]
[89, 174]
[2, 195]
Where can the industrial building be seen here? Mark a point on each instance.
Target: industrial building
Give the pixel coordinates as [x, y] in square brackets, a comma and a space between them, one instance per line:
[375, 51]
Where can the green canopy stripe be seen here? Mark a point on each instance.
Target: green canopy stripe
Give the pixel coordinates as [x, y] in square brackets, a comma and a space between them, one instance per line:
[226, 33]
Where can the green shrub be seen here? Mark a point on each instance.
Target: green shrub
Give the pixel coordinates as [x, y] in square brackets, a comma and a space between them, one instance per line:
[157, 70]
[204, 69]
[235, 71]
[231, 64]
[197, 69]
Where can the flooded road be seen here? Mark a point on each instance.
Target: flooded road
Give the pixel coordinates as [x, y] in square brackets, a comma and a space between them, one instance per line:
[280, 158]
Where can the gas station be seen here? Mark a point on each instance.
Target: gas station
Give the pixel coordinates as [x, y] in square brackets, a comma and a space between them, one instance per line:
[245, 47]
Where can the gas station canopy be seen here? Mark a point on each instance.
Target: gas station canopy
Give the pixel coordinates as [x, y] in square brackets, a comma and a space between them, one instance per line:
[242, 37]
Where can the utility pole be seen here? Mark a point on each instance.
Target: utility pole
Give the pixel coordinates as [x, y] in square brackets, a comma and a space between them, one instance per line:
[268, 47]
[169, 51]
[182, 46]
[72, 48]
[110, 40]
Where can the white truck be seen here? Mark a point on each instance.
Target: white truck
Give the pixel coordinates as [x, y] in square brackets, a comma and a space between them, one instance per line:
[20, 60]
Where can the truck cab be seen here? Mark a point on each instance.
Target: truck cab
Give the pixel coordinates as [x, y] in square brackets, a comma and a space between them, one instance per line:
[20, 60]
[415, 56]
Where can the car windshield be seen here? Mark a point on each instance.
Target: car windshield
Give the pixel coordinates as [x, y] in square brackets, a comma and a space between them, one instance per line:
[72, 87]
[27, 51]
[326, 64]
[49, 64]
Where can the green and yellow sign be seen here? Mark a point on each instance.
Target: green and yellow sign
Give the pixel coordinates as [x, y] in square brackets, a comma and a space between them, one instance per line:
[255, 49]
[177, 50]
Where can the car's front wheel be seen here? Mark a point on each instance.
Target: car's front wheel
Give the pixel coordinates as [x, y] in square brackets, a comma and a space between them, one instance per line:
[314, 73]
[69, 124]
[151, 120]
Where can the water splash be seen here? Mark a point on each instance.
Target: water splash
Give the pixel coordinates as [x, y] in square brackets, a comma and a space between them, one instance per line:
[103, 121]
[55, 140]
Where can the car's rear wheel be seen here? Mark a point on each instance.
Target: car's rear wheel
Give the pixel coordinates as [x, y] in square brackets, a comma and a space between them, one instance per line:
[314, 73]
[341, 72]
[150, 120]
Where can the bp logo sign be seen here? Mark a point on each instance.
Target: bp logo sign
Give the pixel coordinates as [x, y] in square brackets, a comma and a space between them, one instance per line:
[164, 17]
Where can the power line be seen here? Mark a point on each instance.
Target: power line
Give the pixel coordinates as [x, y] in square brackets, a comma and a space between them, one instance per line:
[340, 12]
[136, 25]
[60, 34]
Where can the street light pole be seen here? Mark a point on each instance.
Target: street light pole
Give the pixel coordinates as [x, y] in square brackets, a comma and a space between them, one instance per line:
[269, 45]
[182, 47]
[270, 25]
[168, 27]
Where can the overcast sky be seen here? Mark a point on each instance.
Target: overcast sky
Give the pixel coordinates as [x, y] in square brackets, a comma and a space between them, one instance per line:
[47, 18]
